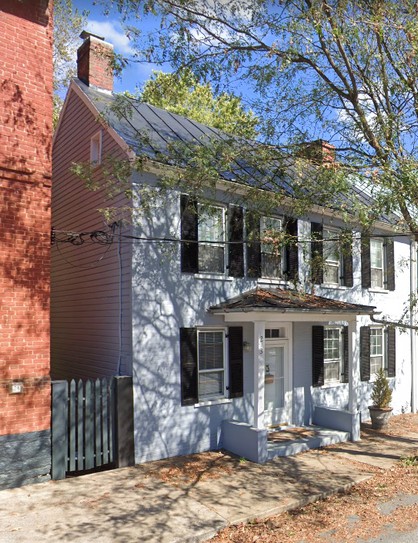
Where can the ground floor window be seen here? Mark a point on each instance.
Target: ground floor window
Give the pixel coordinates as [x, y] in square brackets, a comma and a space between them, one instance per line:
[211, 364]
[332, 354]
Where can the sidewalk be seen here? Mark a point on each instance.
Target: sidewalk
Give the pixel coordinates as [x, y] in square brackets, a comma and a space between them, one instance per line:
[188, 499]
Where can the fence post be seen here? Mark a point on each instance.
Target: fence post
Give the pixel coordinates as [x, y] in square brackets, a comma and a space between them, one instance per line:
[124, 421]
[59, 430]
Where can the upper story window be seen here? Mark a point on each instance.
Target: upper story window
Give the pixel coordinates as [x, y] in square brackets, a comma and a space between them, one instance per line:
[266, 257]
[211, 236]
[377, 258]
[271, 252]
[96, 148]
[377, 263]
[203, 237]
[331, 256]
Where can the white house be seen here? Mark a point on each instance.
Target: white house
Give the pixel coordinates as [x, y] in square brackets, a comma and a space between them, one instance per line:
[221, 346]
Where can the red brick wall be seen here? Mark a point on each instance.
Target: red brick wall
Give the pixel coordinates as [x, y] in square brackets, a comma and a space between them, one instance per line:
[25, 184]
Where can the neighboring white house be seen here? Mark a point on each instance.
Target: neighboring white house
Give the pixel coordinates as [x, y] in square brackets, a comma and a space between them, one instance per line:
[220, 345]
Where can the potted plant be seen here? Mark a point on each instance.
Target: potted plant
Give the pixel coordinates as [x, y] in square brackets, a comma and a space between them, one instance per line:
[380, 409]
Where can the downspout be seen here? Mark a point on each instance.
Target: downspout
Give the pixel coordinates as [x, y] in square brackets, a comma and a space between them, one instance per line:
[412, 291]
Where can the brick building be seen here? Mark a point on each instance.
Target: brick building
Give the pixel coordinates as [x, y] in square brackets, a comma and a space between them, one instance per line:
[25, 185]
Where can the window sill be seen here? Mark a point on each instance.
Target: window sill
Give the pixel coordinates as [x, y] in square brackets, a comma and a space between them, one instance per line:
[213, 276]
[218, 401]
[267, 281]
[333, 286]
[377, 290]
[333, 384]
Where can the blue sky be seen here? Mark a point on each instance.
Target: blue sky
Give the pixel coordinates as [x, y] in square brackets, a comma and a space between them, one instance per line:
[110, 28]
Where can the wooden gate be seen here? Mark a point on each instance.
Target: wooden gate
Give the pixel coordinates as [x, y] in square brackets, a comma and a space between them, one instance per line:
[84, 425]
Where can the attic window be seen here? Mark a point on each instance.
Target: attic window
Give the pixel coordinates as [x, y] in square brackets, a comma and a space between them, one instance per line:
[96, 148]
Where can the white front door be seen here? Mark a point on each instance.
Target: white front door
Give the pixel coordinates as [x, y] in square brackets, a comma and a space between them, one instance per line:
[277, 394]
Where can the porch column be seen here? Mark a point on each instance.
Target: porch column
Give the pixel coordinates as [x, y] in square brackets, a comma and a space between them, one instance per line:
[354, 376]
[259, 371]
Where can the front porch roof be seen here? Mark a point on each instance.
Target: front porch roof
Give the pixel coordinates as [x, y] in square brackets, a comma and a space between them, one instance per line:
[287, 301]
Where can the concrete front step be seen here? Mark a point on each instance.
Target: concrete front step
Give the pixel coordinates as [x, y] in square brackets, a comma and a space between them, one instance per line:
[321, 438]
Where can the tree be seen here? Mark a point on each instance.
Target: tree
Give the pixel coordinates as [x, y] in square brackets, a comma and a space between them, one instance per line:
[183, 94]
[68, 25]
[342, 70]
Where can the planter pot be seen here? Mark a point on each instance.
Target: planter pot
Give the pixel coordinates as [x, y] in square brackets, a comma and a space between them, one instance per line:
[380, 416]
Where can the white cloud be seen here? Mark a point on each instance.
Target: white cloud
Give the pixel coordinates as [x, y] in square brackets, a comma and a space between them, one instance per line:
[112, 33]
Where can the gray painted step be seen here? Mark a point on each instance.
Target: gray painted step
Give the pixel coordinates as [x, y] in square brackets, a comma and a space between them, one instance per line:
[322, 438]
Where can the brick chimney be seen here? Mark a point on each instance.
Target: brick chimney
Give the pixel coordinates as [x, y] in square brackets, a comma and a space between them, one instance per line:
[319, 151]
[94, 62]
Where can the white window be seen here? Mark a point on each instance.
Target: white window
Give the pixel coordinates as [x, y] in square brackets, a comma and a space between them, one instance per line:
[377, 259]
[211, 364]
[211, 236]
[332, 354]
[271, 250]
[332, 257]
[377, 350]
[96, 148]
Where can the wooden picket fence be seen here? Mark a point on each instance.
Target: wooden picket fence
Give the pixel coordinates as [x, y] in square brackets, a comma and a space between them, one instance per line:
[86, 413]
[90, 424]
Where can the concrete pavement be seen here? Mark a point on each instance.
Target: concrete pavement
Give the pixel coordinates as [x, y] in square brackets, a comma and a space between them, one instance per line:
[133, 504]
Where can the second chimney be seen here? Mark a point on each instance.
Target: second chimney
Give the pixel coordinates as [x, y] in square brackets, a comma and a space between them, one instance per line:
[95, 62]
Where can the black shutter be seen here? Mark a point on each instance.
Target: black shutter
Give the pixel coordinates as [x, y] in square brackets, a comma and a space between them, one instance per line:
[317, 252]
[390, 264]
[347, 262]
[365, 353]
[317, 356]
[236, 370]
[366, 273]
[189, 232]
[391, 351]
[236, 235]
[188, 361]
[292, 252]
[253, 246]
[345, 355]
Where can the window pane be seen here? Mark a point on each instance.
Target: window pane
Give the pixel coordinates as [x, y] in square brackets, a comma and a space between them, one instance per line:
[211, 223]
[376, 342]
[376, 362]
[269, 227]
[331, 343]
[211, 258]
[211, 229]
[271, 265]
[332, 371]
[211, 350]
[211, 384]
[376, 253]
[331, 273]
[377, 278]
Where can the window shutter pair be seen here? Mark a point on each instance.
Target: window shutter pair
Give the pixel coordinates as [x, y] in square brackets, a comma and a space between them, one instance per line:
[189, 237]
[254, 247]
[317, 257]
[189, 370]
[389, 264]
[365, 352]
[318, 356]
